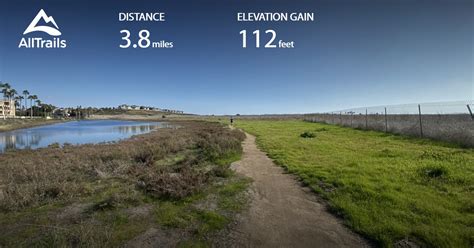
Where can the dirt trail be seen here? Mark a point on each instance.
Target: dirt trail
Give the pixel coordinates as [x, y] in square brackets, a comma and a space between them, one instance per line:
[282, 213]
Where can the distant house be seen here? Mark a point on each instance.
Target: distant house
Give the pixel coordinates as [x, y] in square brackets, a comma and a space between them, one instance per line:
[172, 111]
[62, 112]
[136, 107]
[123, 106]
[7, 108]
[145, 108]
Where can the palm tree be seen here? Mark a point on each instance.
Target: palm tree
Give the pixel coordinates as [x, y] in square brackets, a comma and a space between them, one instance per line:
[47, 108]
[38, 105]
[11, 96]
[32, 97]
[19, 98]
[8, 91]
[5, 89]
[18, 102]
[26, 93]
[2, 86]
[12, 93]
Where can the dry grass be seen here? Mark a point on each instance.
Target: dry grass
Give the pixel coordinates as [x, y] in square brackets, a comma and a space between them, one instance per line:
[169, 165]
[12, 124]
[30, 178]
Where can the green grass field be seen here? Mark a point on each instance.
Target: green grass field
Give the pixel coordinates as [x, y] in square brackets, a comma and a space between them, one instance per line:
[386, 187]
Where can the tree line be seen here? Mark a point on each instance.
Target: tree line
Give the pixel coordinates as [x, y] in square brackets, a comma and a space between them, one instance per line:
[36, 106]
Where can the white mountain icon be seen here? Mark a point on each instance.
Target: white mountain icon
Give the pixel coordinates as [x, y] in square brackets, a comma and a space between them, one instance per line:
[47, 19]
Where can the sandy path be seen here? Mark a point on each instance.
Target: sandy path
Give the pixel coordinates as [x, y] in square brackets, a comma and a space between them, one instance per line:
[282, 213]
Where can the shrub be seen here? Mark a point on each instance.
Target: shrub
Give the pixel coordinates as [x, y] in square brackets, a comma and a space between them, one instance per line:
[145, 155]
[434, 171]
[54, 145]
[166, 185]
[307, 135]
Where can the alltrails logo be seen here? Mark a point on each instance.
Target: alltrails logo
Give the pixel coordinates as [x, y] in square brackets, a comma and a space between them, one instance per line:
[38, 42]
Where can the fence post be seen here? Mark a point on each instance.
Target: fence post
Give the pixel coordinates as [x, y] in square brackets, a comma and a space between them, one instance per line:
[421, 125]
[470, 111]
[340, 117]
[366, 120]
[352, 115]
[386, 123]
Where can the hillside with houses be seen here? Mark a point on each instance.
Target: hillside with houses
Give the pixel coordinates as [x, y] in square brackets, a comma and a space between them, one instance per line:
[22, 105]
[138, 107]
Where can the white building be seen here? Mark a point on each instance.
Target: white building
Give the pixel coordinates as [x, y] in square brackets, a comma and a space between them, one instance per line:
[136, 107]
[124, 106]
[7, 108]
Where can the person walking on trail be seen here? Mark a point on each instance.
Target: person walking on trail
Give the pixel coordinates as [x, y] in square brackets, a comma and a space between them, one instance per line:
[231, 120]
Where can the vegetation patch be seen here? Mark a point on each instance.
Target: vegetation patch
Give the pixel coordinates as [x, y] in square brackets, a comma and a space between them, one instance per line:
[388, 188]
[387, 153]
[433, 172]
[12, 124]
[307, 134]
[108, 194]
[321, 129]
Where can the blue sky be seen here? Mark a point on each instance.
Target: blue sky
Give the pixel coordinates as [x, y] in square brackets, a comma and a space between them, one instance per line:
[356, 53]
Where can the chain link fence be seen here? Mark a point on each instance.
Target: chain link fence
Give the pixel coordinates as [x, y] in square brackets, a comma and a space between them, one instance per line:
[446, 121]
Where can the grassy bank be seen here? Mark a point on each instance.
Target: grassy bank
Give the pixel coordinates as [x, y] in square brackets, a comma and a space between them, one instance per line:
[12, 124]
[389, 188]
[172, 186]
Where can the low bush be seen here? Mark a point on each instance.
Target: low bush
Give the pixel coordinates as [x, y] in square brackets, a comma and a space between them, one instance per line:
[35, 177]
[307, 134]
[434, 171]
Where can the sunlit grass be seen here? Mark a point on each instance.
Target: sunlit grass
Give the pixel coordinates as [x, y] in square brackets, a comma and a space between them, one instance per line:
[386, 187]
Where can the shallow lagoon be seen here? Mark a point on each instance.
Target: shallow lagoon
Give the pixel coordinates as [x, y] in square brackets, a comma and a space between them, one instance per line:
[74, 132]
